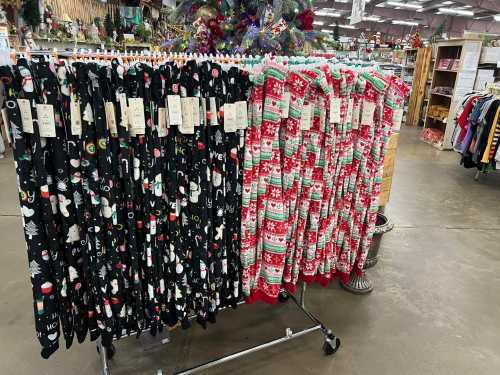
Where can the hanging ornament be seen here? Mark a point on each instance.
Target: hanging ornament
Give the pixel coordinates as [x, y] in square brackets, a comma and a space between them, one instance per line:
[306, 20]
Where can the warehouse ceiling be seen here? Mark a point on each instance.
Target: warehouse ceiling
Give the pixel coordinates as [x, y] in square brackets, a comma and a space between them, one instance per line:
[397, 18]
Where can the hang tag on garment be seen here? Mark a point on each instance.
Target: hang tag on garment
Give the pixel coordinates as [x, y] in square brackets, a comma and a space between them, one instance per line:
[174, 109]
[230, 117]
[109, 108]
[286, 104]
[368, 112]
[187, 123]
[136, 117]
[195, 102]
[355, 115]
[123, 110]
[46, 120]
[26, 118]
[335, 110]
[6, 126]
[203, 114]
[322, 119]
[397, 119]
[76, 116]
[348, 114]
[241, 115]
[213, 112]
[305, 120]
[162, 122]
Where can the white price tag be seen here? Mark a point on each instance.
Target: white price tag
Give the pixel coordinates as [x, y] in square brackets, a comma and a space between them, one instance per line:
[305, 120]
[162, 122]
[213, 112]
[76, 116]
[46, 120]
[6, 125]
[241, 115]
[187, 123]
[355, 116]
[230, 117]
[174, 109]
[348, 115]
[368, 112]
[136, 116]
[286, 104]
[26, 118]
[123, 110]
[196, 110]
[109, 108]
[397, 118]
[335, 110]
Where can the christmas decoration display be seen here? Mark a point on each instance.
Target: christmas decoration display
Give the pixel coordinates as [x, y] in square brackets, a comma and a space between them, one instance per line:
[247, 26]
[416, 40]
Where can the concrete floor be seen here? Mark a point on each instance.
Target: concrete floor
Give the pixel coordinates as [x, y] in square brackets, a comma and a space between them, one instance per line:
[435, 308]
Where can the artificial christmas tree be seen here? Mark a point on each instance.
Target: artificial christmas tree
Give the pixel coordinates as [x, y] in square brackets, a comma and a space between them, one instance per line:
[247, 26]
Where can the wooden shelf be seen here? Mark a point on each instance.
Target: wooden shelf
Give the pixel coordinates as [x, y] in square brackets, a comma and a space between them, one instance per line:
[446, 70]
[439, 94]
[437, 119]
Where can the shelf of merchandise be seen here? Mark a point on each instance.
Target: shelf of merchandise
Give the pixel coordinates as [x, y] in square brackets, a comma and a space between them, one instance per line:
[439, 94]
[409, 64]
[461, 81]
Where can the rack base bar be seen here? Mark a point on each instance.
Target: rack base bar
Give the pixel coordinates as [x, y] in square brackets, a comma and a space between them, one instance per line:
[330, 345]
[244, 352]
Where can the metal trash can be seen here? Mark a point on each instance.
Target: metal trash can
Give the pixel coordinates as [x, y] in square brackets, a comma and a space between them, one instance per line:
[382, 225]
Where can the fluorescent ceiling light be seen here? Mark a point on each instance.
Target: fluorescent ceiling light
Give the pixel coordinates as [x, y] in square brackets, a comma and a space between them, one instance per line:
[496, 17]
[326, 31]
[371, 18]
[457, 12]
[406, 23]
[327, 12]
[404, 5]
[447, 3]
[467, 6]
[319, 23]
[347, 27]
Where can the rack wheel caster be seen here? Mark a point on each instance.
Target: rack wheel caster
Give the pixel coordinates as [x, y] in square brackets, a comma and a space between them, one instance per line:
[283, 296]
[331, 344]
[110, 351]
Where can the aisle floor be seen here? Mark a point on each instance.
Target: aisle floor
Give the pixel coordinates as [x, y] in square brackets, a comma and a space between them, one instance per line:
[435, 308]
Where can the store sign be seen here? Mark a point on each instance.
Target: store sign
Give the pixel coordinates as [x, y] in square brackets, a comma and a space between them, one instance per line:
[358, 9]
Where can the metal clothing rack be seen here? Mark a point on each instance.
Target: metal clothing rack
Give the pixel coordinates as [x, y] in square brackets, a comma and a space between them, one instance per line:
[330, 346]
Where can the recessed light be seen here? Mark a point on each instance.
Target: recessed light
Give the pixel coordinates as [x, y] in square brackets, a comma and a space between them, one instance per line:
[496, 17]
[319, 23]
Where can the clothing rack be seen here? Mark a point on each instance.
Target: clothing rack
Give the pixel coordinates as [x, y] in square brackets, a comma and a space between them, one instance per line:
[330, 345]
[331, 342]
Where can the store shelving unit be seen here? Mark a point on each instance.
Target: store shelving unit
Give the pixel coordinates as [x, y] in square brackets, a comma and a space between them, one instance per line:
[418, 85]
[409, 65]
[459, 78]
